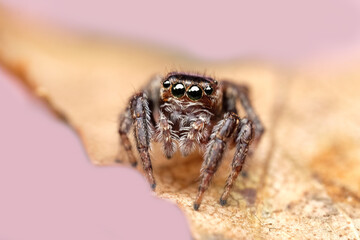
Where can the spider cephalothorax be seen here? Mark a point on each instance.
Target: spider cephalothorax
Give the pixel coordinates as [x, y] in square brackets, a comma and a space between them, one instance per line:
[188, 110]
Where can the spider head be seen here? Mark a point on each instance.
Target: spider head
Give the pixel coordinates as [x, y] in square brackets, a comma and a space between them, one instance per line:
[185, 89]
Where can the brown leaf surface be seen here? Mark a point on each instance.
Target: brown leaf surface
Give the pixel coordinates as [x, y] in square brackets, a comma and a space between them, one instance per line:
[303, 181]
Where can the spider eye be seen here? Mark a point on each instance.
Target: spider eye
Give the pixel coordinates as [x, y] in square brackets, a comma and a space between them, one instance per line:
[178, 90]
[208, 90]
[194, 93]
[166, 84]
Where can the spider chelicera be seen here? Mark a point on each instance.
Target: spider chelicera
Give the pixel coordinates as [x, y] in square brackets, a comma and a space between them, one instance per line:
[183, 111]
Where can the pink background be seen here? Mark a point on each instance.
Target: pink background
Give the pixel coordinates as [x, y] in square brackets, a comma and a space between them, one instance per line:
[48, 188]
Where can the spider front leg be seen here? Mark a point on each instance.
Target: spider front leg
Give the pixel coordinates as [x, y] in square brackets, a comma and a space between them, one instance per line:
[243, 141]
[141, 120]
[215, 150]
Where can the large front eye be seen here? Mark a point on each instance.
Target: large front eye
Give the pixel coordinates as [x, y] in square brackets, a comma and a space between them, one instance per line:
[194, 93]
[178, 90]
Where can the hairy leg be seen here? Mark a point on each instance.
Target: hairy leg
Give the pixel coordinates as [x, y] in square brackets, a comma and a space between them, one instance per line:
[143, 129]
[243, 140]
[146, 111]
[241, 92]
[220, 135]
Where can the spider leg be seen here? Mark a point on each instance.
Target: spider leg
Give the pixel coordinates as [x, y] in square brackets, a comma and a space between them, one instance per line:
[138, 114]
[241, 92]
[141, 113]
[244, 138]
[215, 149]
[143, 130]
[124, 128]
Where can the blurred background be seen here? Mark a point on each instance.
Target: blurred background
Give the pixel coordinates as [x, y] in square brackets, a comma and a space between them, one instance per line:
[278, 30]
[292, 33]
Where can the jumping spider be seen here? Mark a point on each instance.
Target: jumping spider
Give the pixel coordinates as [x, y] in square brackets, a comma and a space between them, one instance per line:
[184, 110]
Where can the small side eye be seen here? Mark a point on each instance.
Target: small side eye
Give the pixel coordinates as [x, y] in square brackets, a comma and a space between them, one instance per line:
[208, 90]
[194, 93]
[178, 90]
[166, 84]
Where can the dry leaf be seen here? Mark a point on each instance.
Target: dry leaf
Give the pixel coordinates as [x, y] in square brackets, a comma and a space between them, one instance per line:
[303, 181]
